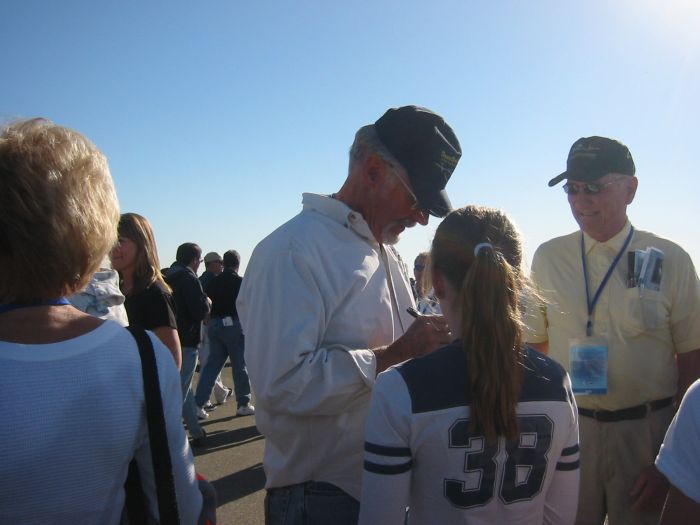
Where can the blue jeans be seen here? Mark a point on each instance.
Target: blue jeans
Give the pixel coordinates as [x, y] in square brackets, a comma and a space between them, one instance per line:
[189, 409]
[224, 341]
[310, 503]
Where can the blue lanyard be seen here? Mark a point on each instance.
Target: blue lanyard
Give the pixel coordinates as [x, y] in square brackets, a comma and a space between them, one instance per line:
[591, 304]
[16, 306]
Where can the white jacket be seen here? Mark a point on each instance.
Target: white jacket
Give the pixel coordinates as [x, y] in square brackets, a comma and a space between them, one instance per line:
[315, 299]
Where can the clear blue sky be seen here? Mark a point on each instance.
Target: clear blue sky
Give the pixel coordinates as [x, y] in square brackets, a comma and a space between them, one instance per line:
[217, 115]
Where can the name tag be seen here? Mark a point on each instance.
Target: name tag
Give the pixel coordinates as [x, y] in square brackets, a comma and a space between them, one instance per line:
[588, 362]
[228, 321]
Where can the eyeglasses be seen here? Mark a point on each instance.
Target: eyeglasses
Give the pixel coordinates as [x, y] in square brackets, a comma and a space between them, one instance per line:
[415, 206]
[589, 188]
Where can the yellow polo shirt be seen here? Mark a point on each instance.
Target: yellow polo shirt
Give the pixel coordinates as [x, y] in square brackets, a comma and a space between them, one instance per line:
[644, 328]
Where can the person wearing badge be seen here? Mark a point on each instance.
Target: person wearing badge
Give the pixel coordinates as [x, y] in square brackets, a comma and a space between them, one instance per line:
[621, 312]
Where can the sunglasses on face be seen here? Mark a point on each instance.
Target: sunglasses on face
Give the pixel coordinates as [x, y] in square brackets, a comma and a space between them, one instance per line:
[589, 188]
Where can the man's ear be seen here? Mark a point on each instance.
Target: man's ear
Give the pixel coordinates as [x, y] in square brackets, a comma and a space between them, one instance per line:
[374, 170]
[631, 189]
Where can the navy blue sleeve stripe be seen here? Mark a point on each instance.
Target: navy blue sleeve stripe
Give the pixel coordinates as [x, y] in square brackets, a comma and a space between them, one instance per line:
[393, 452]
[376, 468]
[568, 466]
[570, 451]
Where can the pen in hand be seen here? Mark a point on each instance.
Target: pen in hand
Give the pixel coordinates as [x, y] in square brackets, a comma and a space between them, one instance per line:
[416, 314]
[413, 312]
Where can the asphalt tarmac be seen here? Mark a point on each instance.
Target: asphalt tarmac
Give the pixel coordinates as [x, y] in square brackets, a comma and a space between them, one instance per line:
[232, 462]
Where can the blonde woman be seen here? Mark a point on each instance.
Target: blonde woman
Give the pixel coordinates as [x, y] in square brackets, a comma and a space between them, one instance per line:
[65, 449]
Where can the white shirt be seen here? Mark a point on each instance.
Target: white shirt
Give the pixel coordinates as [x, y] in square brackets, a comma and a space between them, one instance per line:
[318, 294]
[679, 458]
[66, 448]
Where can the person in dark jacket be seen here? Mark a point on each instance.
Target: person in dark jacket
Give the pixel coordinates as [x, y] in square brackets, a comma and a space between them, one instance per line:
[192, 306]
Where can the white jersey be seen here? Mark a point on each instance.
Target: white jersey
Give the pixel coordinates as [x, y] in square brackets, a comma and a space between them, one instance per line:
[419, 452]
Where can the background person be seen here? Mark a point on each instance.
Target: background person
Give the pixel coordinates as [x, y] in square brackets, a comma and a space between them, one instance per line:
[483, 430]
[102, 297]
[226, 337]
[323, 308]
[58, 203]
[426, 301]
[213, 266]
[149, 302]
[192, 307]
[618, 329]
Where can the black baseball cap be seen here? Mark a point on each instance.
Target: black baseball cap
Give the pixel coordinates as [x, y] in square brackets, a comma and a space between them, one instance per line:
[428, 150]
[591, 158]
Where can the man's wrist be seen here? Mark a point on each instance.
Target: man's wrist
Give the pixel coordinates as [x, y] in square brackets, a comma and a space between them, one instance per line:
[389, 355]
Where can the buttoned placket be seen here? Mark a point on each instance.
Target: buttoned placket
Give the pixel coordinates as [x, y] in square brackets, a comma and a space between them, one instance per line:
[395, 312]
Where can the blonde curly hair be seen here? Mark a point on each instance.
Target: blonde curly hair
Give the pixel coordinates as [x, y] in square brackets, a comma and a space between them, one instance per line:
[59, 211]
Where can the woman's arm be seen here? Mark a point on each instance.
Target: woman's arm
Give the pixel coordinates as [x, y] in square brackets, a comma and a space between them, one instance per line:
[386, 480]
[168, 336]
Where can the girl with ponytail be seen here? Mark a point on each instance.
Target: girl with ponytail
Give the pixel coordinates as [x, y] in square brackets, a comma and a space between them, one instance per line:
[483, 430]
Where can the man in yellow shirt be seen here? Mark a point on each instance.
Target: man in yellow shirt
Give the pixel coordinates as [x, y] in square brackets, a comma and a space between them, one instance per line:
[622, 313]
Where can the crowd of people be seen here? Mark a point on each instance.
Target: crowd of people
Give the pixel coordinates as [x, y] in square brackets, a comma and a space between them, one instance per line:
[473, 393]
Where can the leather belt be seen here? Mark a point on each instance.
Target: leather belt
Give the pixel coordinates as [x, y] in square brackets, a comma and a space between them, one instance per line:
[637, 412]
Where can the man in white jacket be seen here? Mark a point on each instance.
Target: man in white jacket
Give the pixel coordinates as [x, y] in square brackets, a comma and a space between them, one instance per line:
[323, 309]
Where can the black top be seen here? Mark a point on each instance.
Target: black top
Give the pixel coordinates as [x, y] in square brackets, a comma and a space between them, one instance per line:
[223, 292]
[191, 303]
[151, 308]
[206, 278]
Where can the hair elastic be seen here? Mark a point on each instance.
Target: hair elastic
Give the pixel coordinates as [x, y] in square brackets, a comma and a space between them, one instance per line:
[481, 245]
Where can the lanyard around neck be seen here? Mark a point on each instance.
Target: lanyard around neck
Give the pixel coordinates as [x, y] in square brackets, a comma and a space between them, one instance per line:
[591, 304]
[16, 306]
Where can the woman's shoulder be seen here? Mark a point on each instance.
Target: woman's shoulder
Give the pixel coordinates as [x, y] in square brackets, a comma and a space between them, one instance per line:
[544, 378]
[158, 289]
[154, 293]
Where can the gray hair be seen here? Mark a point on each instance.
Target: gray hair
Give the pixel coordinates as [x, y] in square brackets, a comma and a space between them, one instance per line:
[366, 143]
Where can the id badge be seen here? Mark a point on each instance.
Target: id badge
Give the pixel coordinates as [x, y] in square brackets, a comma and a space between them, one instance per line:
[227, 321]
[588, 362]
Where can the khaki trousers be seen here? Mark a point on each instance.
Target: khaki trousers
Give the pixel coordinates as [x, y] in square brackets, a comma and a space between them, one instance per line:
[612, 456]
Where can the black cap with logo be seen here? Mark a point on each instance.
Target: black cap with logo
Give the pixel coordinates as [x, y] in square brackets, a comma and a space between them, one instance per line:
[428, 150]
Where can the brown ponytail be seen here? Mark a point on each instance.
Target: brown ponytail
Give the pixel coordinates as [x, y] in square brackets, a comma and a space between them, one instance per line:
[489, 283]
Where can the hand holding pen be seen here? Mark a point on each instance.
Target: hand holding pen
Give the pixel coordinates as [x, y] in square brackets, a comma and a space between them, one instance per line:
[438, 322]
[428, 318]
[426, 333]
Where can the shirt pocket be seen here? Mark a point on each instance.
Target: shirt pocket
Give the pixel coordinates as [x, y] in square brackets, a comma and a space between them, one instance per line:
[643, 311]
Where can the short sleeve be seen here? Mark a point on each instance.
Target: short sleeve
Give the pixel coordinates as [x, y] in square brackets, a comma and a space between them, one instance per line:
[679, 459]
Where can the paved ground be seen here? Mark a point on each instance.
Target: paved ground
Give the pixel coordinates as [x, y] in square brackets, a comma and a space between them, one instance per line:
[232, 462]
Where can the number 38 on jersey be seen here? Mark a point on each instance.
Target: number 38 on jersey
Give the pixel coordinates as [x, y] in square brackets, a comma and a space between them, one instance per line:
[514, 469]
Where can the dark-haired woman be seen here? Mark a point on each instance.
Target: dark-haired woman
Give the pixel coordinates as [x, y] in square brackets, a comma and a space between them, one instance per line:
[483, 430]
